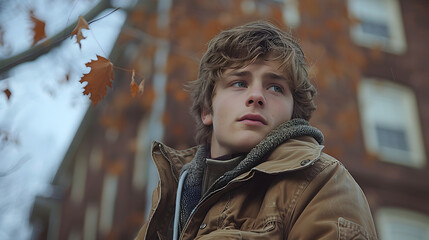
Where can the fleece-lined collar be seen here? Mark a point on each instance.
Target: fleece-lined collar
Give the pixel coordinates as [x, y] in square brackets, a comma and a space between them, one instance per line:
[294, 128]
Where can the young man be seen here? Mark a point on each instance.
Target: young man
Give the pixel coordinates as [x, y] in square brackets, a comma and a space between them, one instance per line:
[259, 172]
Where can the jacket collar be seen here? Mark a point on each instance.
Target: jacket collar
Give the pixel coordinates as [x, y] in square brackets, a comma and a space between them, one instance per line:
[175, 158]
[294, 145]
[292, 155]
[286, 131]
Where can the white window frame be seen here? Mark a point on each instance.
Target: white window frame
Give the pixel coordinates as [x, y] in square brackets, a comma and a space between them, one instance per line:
[390, 219]
[396, 44]
[108, 199]
[370, 93]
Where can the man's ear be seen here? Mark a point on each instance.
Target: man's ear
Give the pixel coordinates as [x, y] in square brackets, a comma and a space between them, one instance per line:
[206, 117]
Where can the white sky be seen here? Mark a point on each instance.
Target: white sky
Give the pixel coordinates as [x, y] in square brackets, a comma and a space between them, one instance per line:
[44, 111]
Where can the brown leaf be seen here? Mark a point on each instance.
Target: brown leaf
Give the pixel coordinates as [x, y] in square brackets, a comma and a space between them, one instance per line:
[38, 28]
[99, 78]
[133, 86]
[77, 31]
[8, 93]
[141, 87]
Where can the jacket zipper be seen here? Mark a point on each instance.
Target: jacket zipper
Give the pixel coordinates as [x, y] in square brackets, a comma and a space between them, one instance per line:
[204, 199]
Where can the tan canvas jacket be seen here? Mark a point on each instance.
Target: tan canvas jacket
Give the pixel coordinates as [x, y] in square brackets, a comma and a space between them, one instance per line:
[298, 192]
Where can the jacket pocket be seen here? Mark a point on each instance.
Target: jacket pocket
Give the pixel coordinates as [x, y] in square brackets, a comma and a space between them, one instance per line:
[270, 231]
[348, 230]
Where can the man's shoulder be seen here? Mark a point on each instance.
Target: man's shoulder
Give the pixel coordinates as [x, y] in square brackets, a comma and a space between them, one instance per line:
[328, 168]
[325, 160]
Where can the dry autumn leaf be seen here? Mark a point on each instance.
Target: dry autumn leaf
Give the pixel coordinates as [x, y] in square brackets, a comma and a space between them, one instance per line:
[8, 93]
[141, 87]
[77, 31]
[99, 78]
[133, 86]
[38, 28]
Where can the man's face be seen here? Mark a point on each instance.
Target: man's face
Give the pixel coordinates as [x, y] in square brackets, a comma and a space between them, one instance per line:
[247, 104]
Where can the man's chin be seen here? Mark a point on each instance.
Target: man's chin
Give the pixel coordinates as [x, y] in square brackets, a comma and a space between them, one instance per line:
[247, 143]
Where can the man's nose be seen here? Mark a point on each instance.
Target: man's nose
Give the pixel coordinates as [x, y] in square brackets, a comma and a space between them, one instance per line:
[256, 97]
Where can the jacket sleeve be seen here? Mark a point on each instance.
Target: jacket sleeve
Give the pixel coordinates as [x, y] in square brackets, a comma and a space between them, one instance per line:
[332, 206]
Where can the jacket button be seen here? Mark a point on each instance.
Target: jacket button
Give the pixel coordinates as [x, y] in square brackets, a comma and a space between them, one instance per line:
[305, 162]
[204, 225]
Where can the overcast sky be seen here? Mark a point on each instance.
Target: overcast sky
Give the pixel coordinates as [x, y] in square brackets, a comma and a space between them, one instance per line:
[44, 110]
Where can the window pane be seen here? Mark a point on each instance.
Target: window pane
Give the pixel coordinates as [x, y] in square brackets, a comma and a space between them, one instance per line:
[378, 29]
[390, 122]
[391, 137]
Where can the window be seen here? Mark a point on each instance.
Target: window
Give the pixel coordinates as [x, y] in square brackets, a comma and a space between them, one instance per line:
[290, 10]
[79, 178]
[389, 137]
[395, 224]
[379, 24]
[107, 206]
[291, 14]
[90, 222]
[390, 122]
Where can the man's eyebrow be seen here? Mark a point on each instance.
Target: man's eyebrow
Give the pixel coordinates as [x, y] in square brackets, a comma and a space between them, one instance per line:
[236, 73]
[275, 76]
[270, 75]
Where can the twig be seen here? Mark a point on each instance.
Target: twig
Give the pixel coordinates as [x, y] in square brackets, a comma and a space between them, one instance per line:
[15, 167]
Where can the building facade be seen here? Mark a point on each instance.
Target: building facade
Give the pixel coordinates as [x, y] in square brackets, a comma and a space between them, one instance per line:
[367, 60]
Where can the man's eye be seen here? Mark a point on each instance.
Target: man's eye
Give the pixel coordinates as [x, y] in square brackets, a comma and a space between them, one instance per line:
[276, 88]
[239, 84]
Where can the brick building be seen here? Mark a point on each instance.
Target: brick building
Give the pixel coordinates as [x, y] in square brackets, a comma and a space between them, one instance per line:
[367, 60]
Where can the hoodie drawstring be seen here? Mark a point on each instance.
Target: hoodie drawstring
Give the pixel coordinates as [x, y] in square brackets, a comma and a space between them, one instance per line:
[177, 209]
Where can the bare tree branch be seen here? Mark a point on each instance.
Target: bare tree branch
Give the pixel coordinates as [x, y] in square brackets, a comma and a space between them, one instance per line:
[45, 46]
[15, 167]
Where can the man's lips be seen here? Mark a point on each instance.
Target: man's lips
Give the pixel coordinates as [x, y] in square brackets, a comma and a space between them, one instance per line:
[253, 119]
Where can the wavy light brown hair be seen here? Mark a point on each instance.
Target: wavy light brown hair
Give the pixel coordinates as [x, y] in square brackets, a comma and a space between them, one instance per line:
[239, 47]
